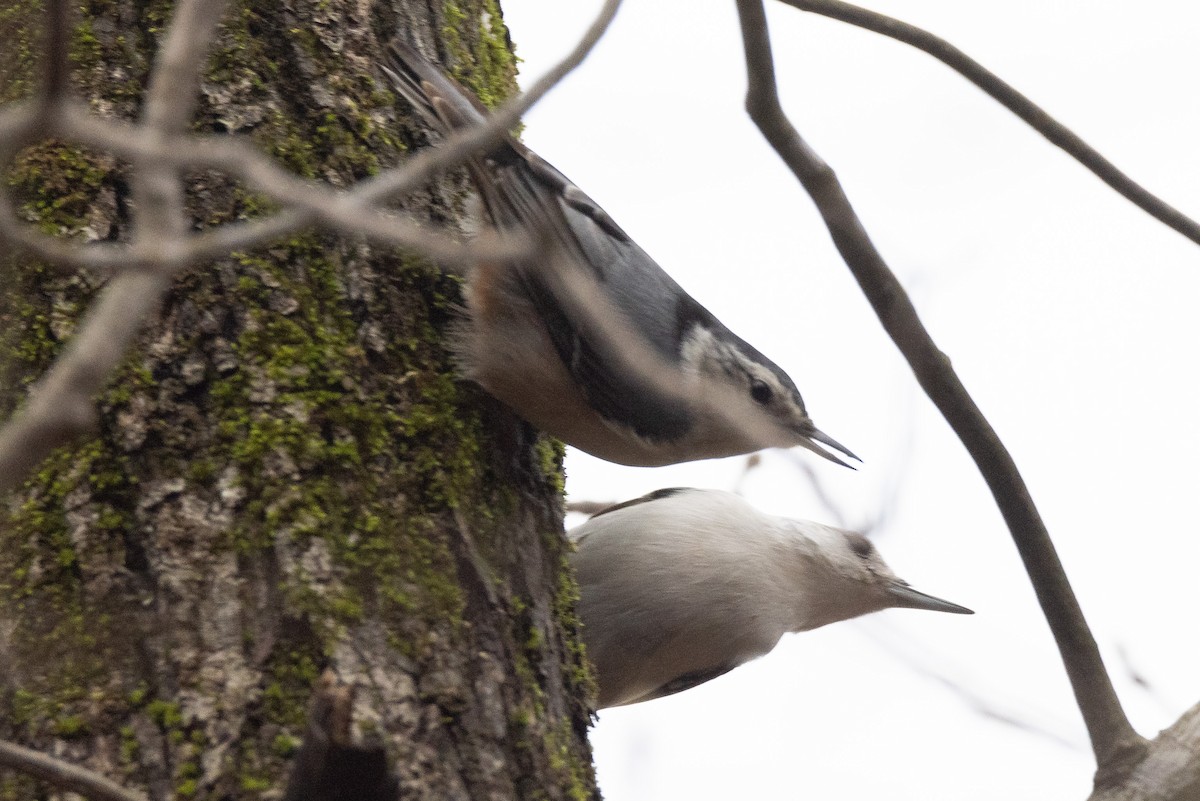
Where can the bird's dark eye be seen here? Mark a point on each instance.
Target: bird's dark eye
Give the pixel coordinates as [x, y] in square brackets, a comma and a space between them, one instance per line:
[760, 392]
[860, 544]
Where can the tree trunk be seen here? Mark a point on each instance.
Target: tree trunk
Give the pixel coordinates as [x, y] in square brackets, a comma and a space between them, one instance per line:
[287, 477]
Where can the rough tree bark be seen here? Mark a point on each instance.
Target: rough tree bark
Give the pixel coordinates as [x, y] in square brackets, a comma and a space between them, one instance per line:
[287, 476]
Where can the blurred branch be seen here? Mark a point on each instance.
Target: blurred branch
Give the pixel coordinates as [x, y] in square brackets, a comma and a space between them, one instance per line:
[589, 507]
[1057, 133]
[917, 657]
[461, 144]
[175, 79]
[1116, 745]
[749, 464]
[61, 406]
[836, 513]
[63, 775]
[1139, 679]
[305, 202]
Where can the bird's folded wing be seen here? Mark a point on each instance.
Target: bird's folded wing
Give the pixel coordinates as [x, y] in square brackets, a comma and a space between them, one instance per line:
[580, 327]
[687, 681]
[521, 191]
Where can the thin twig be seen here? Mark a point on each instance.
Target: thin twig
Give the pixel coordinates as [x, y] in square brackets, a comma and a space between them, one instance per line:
[64, 775]
[170, 101]
[305, 203]
[174, 83]
[588, 507]
[153, 147]
[628, 352]
[1115, 743]
[824, 498]
[917, 657]
[466, 141]
[61, 407]
[1058, 134]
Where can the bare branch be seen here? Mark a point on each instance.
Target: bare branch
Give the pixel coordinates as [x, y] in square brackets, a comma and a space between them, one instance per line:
[1116, 745]
[174, 255]
[154, 147]
[1058, 134]
[1171, 770]
[305, 203]
[64, 775]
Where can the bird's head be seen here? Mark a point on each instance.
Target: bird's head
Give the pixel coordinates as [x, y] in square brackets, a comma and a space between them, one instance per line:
[718, 356]
[844, 577]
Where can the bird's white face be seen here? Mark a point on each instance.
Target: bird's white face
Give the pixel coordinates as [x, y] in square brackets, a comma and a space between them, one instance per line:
[852, 579]
[845, 576]
[771, 413]
[863, 563]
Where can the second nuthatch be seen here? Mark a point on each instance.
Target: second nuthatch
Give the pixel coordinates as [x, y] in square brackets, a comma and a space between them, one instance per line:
[542, 350]
[683, 585]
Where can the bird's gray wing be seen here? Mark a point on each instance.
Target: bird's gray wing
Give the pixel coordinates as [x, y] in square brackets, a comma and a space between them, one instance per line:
[584, 242]
[657, 495]
[522, 191]
[442, 101]
[687, 681]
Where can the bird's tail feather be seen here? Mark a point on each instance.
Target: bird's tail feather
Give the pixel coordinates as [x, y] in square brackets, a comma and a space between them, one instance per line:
[439, 99]
[518, 189]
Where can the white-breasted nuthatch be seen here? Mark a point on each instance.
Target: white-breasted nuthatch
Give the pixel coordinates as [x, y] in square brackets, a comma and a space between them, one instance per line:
[683, 585]
[540, 349]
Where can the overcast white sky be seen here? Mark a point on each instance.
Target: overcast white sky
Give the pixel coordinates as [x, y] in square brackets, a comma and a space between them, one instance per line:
[1071, 316]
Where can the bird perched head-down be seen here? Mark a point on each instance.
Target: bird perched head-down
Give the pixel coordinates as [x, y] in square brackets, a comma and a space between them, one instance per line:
[683, 585]
[592, 341]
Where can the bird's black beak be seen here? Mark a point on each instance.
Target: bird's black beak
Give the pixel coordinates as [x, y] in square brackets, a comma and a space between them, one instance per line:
[904, 596]
[813, 439]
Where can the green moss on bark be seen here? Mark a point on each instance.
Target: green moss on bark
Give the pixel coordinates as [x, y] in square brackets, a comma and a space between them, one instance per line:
[301, 393]
[480, 49]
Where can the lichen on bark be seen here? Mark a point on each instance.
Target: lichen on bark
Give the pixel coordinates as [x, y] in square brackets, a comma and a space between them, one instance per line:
[287, 475]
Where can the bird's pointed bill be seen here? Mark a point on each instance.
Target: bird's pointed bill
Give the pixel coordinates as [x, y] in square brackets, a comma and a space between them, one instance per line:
[825, 439]
[812, 436]
[906, 597]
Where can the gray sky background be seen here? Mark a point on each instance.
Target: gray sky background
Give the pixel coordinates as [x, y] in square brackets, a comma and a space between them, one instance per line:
[1070, 315]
